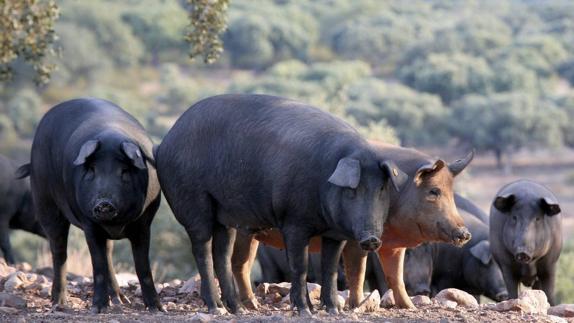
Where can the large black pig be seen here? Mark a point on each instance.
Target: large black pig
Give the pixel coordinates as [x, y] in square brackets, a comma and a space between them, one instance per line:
[91, 166]
[255, 162]
[526, 236]
[15, 207]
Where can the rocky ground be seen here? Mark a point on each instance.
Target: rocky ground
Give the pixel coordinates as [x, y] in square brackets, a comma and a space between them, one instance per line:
[24, 297]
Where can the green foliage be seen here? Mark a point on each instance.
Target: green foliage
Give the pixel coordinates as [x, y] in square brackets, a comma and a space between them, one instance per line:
[208, 21]
[507, 122]
[261, 34]
[449, 76]
[24, 109]
[564, 279]
[159, 27]
[27, 32]
[418, 119]
[84, 60]
[114, 37]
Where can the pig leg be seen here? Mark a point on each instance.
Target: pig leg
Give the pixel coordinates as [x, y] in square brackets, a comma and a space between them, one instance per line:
[511, 281]
[392, 261]
[100, 271]
[140, 242]
[56, 227]
[5, 243]
[546, 280]
[330, 255]
[113, 288]
[244, 253]
[223, 240]
[297, 244]
[355, 263]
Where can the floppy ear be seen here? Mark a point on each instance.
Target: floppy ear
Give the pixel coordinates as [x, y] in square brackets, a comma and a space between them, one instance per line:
[134, 153]
[504, 203]
[347, 173]
[396, 175]
[549, 206]
[481, 251]
[428, 169]
[87, 149]
[23, 171]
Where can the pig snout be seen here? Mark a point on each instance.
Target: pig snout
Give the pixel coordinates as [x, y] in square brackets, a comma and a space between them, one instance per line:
[460, 236]
[424, 290]
[104, 210]
[370, 243]
[523, 257]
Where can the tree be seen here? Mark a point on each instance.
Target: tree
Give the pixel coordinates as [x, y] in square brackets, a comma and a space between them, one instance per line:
[451, 76]
[505, 122]
[207, 23]
[27, 33]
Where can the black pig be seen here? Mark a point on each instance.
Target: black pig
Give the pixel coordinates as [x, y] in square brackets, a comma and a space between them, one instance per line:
[526, 236]
[16, 210]
[255, 162]
[91, 166]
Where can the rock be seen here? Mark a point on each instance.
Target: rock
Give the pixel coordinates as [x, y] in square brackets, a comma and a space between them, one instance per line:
[281, 288]
[370, 303]
[461, 298]
[342, 300]
[175, 283]
[529, 301]
[201, 317]
[421, 300]
[124, 278]
[262, 289]
[11, 300]
[38, 284]
[14, 281]
[8, 310]
[314, 290]
[24, 267]
[388, 299]
[191, 286]
[5, 270]
[447, 303]
[45, 291]
[563, 310]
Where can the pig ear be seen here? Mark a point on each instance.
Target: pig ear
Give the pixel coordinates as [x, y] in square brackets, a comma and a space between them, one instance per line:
[427, 170]
[135, 154]
[460, 164]
[347, 173]
[504, 203]
[482, 252]
[549, 206]
[87, 149]
[396, 175]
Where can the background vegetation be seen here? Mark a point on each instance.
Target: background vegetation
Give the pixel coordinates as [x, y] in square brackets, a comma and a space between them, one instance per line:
[495, 75]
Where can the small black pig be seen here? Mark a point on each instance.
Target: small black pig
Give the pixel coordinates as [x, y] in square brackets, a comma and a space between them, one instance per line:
[526, 236]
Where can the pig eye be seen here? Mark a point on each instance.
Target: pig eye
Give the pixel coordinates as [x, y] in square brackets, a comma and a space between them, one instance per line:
[90, 172]
[350, 193]
[125, 175]
[514, 218]
[434, 194]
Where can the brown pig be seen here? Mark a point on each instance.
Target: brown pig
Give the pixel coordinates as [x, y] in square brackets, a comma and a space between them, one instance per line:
[422, 211]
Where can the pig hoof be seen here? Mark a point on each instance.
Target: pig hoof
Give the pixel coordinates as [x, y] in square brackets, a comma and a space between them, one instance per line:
[251, 303]
[157, 308]
[218, 311]
[58, 307]
[97, 309]
[332, 311]
[305, 313]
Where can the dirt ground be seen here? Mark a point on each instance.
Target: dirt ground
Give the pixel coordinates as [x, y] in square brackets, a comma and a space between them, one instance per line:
[188, 308]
